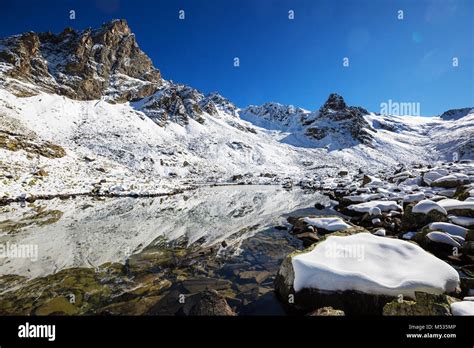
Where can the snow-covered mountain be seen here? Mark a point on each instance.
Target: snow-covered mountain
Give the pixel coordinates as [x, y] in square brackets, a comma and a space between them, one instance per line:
[88, 112]
[89, 64]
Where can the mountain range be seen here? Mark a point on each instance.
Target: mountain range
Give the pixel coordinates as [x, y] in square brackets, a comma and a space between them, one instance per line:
[87, 111]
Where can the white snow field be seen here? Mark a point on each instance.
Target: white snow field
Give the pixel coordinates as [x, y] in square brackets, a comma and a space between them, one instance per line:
[121, 144]
[373, 265]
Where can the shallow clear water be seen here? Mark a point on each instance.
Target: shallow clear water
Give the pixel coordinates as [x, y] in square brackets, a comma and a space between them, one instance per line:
[135, 256]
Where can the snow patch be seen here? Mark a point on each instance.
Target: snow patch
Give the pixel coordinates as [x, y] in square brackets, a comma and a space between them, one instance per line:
[382, 205]
[449, 228]
[425, 206]
[370, 264]
[327, 223]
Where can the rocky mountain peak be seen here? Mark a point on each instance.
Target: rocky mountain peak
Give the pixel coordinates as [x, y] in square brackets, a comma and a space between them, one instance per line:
[117, 27]
[455, 114]
[220, 103]
[338, 120]
[89, 64]
[334, 102]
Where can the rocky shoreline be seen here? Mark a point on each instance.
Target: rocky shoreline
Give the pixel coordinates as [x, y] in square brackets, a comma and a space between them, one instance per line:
[414, 227]
[425, 212]
[97, 195]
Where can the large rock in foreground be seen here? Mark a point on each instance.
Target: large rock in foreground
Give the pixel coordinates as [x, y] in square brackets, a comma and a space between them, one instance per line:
[361, 273]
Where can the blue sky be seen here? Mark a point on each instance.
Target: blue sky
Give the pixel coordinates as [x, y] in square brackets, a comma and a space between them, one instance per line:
[296, 61]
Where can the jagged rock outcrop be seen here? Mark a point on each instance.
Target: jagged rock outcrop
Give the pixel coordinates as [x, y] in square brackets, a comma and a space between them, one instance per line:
[82, 65]
[179, 103]
[455, 114]
[176, 103]
[220, 103]
[338, 120]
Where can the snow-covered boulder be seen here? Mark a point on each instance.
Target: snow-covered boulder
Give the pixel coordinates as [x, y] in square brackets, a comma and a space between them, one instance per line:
[384, 206]
[309, 229]
[340, 271]
[447, 227]
[363, 197]
[375, 211]
[417, 215]
[462, 221]
[409, 235]
[463, 308]
[440, 243]
[414, 197]
[443, 238]
[380, 232]
[426, 206]
[434, 174]
[451, 181]
[372, 181]
[329, 224]
[447, 193]
[456, 207]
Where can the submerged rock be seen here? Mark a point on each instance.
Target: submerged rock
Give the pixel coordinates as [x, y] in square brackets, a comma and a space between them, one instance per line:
[209, 303]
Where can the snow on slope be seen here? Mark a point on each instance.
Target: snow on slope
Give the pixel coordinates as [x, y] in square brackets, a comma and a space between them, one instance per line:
[165, 135]
[133, 153]
[120, 144]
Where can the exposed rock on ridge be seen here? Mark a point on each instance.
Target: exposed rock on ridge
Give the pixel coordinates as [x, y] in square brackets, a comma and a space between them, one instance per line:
[82, 65]
[337, 119]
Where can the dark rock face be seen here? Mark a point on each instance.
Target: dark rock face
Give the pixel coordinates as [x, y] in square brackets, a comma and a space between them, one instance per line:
[179, 103]
[83, 65]
[335, 102]
[175, 103]
[104, 62]
[456, 114]
[338, 119]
